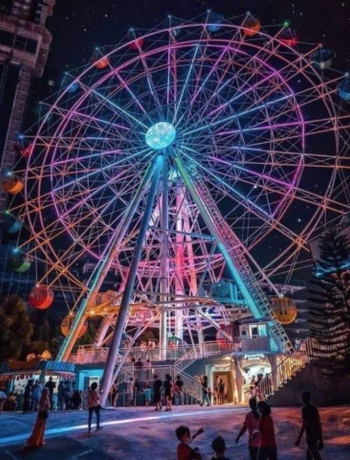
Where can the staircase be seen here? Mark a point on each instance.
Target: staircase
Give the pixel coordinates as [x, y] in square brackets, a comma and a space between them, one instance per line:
[286, 369]
[233, 251]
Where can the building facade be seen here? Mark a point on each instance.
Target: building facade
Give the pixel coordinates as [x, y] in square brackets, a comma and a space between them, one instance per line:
[24, 48]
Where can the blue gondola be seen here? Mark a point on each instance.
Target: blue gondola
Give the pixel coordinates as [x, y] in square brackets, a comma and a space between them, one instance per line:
[344, 88]
[11, 224]
[214, 21]
[73, 87]
[323, 58]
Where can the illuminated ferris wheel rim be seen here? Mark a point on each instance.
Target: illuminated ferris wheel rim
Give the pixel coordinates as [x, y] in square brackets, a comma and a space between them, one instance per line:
[217, 42]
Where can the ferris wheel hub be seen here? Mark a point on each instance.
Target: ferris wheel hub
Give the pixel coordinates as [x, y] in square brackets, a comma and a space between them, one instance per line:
[160, 135]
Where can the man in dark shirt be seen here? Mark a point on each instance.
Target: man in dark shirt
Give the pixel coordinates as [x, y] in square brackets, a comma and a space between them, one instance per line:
[313, 428]
[50, 385]
[157, 392]
[179, 386]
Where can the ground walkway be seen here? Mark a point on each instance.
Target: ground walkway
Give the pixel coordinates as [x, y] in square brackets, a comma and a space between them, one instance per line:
[142, 434]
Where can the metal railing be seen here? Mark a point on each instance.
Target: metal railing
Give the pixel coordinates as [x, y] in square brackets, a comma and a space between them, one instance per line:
[180, 354]
[203, 350]
[192, 389]
[258, 344]
[286, 369]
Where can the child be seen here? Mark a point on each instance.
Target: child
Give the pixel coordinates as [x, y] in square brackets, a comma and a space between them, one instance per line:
[219, 447]
[184, 451]
[148, 394]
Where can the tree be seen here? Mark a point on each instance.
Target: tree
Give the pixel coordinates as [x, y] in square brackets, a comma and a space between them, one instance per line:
[42, 334]
[329, 315]
[15, 328]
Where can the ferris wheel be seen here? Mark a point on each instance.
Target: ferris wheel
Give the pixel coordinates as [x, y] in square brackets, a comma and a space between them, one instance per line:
[197, 151]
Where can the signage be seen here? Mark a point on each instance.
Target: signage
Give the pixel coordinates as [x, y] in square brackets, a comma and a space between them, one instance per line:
[254, 357]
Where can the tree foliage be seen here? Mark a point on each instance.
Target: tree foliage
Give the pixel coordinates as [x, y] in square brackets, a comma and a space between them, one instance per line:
[15, 328]
[329, 313]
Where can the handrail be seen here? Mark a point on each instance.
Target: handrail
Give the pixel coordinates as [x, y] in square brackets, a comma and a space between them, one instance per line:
[192, 387]
[92, 353]
[203, 350]
[286, 369]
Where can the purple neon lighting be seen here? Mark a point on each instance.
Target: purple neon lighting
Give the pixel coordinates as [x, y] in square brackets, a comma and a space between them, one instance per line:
[182, 92]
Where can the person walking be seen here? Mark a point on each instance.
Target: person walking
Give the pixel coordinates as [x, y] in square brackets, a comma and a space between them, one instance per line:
[178, 390]
[26, 396]
[3, 398]
[168, 389]
[94, 406]
[221, 392]
[148, 394]
[50, 385]
[251, 424]
[129, 392]
[157, 392]
[313, 428]
[148, 370]
[114, 394]
[36, 395]
[136, 392]
[205, 397]
[267, 449]
[139, 369]
[36, 439]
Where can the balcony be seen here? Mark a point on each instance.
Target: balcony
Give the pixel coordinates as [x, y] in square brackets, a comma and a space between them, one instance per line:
[258, 344]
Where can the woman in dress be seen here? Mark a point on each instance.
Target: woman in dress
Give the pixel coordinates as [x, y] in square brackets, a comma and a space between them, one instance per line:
[36, 439]
[251, 424]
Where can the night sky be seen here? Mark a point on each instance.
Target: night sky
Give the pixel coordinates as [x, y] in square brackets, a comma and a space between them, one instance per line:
[78, 26]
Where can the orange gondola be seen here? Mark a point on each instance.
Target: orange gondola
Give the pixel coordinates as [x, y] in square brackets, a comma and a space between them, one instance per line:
[102, 63]
[12, 184]
[251, 26]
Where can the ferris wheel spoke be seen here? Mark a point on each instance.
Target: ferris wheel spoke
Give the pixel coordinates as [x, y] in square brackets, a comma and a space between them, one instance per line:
[117, 110]
[127, 88]
[79, 116]
[244, 201]
[146, 153]
[149, 78]
[184, 86]
[236, 116]
[189, 73]
[220, 85]
[320, 201]
[172, 83]
[214, 68]
[278, 74]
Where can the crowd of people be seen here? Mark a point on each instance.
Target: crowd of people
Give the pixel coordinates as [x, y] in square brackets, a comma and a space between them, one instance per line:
[219, 394]
[260, 386]
[258, 421]
[158, 391]
[67, 397]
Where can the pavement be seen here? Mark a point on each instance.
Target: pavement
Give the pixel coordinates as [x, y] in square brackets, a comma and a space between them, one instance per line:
[143, 434]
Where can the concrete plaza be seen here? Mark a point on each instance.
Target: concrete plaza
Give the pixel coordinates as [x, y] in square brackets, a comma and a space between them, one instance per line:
[142, 434]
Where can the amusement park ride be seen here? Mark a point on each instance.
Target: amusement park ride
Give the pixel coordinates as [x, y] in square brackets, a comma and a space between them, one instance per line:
[199, 151]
